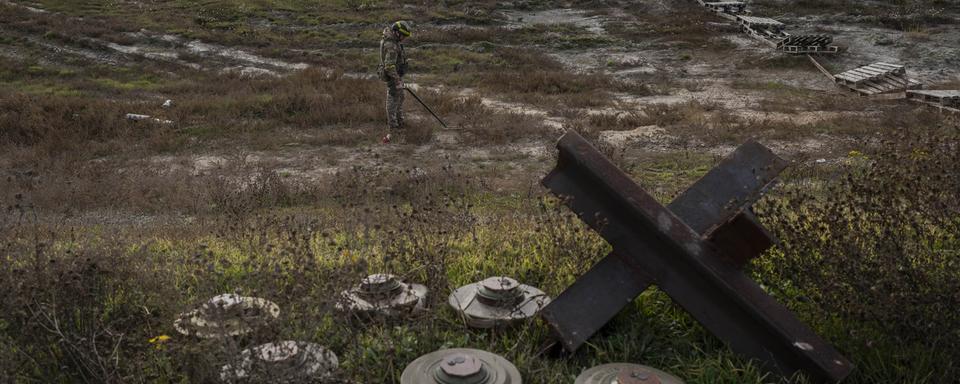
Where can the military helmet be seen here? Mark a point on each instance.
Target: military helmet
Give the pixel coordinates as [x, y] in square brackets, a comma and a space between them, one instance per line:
[403, 27]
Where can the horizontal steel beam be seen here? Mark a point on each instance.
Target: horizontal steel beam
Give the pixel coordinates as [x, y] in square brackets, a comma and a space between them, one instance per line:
[715, 292]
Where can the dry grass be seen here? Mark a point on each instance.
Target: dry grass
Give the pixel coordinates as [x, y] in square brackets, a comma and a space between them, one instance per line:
[683, 25]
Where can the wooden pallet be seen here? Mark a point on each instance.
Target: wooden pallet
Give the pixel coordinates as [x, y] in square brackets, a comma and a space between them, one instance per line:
[944, 99]
[768, 30]
[729, 7]
[759, 22]
[820, 67]
[807, 44]
[877, 78]
[808, 49]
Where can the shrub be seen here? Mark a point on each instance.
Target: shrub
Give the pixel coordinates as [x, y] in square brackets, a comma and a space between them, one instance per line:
[878, 245]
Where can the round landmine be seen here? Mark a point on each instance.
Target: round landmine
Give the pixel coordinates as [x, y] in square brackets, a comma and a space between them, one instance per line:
[497, 301]
[624, 373]
[460, 366]
[227, 315]
[285, 361]
[384, 294]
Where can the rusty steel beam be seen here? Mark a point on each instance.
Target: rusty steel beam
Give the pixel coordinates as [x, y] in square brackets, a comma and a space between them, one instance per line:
[652, 239]
[605, 289]
[715, 205]
[729, 188]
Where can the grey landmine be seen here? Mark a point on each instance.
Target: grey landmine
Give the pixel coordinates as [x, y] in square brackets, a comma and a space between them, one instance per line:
[626, 373]
[461, 366]
[383, 294]
[227, 315]
[285, 362]
[497, 301]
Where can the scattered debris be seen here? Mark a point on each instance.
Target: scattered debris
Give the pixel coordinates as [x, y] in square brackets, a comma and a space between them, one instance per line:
[227, 315]
[384, 294]
[167, 104]
[497, 301]
[877, 78]
[625, 373]
[282, 362]
[693, 250]
[138, 117]
[461, 365]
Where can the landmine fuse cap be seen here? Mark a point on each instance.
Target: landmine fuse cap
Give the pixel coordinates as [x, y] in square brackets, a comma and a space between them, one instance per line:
[497, 301]
[227, 315]
[385, 294]
[285, 361]
[624, 373]
[461, 366]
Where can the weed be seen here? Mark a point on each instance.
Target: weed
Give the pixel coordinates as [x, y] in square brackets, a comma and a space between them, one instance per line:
[883, 251]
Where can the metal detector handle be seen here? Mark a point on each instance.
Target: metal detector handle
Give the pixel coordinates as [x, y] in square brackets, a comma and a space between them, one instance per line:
[425, 106]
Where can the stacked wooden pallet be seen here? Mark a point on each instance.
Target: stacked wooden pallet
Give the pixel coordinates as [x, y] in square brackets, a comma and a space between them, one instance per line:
[769, 30]
[877, 78]
[760, 22]
[806, 44]
[873, 79]
[944, 99]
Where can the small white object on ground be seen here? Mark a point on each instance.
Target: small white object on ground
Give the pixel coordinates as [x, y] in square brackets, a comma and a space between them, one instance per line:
[137, 117]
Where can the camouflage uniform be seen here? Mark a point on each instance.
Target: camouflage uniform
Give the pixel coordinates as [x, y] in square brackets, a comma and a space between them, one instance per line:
[393, 65]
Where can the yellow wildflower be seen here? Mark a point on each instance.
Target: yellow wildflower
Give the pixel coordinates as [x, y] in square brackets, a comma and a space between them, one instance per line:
[159, 340]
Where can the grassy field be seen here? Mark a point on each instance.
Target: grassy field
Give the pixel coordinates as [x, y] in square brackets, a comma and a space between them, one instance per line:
[269, 180]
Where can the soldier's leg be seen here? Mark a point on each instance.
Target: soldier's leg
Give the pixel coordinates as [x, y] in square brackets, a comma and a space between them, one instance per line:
[401, 95]
[394, 97]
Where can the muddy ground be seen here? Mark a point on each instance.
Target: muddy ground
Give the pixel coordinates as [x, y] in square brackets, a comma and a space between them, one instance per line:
[691, 87]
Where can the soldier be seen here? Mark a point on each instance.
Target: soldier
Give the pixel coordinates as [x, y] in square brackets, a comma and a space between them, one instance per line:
[393, 65]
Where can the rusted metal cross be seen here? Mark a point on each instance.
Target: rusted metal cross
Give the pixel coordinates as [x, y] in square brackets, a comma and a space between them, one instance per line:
[692, 250]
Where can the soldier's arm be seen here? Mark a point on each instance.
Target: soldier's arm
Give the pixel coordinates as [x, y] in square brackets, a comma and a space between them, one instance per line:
[390, 60]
